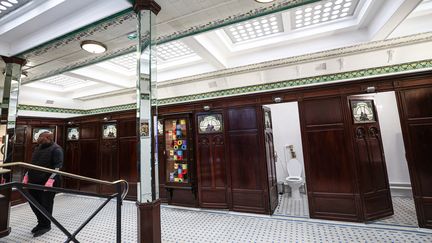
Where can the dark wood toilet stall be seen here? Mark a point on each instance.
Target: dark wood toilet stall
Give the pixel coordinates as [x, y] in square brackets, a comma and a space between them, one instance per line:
[344, 161]
[228, 166]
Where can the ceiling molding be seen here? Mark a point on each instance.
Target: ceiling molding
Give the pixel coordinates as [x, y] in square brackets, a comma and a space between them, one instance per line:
[338, 52]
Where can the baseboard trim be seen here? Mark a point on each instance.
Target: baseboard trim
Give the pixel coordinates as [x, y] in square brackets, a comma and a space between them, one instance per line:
[401, 189]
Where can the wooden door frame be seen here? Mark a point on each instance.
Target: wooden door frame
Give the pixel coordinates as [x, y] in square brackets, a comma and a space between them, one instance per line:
[415, 184]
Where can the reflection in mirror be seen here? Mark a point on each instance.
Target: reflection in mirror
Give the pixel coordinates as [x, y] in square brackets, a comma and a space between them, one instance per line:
[9, 84]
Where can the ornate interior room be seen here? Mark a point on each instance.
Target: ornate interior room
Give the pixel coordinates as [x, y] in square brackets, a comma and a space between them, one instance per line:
[220, 121]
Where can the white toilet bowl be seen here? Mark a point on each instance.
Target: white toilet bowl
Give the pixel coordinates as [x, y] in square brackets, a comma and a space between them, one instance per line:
[295, 182]
[294, 179]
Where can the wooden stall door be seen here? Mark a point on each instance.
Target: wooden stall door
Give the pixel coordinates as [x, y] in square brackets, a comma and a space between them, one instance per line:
[371, 167]
[211, 163]
[415, 110]
[247, 166]
[270, 158]
[329, 161]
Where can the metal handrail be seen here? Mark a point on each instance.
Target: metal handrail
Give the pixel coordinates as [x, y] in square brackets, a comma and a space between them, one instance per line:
[22, 188]
[39, 168]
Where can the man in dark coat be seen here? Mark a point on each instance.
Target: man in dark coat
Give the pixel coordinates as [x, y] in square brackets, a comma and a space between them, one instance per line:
[50, 155]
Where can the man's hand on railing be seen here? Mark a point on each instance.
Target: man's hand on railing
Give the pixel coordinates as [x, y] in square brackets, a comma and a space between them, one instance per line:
[50, 183]
[25, 179]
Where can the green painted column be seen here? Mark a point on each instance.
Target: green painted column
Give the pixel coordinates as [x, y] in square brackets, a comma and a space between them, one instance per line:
[149, 229]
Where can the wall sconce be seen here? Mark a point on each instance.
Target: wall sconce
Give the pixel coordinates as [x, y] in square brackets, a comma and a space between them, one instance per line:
[206, 107]
[105, 118]
[70, 123]
[277, 99]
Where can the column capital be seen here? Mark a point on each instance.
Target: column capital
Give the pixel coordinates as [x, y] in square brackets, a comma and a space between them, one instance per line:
[146, 5]
[15, 60]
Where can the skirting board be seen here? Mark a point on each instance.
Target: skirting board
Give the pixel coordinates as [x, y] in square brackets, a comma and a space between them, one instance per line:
[401, 189]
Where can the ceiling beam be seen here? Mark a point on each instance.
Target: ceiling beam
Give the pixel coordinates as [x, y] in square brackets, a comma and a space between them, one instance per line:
[392, 14]
[203, 52]
[102, 75]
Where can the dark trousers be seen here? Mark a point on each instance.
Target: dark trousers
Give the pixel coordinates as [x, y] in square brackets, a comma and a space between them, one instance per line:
[46, 200]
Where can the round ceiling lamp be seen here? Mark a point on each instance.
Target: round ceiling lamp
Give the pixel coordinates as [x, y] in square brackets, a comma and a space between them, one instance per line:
[92, 46]
[264, 1]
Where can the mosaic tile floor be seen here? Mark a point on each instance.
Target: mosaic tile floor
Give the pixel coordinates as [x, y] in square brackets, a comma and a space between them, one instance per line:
[196, 225]
[404, 210]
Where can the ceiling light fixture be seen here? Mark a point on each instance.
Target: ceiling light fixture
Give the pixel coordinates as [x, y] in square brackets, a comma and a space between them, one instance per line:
[92, 46]
[264, 1]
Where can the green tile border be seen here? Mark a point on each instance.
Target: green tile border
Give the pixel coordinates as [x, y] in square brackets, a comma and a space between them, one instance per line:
[362, 73]
[22, 107]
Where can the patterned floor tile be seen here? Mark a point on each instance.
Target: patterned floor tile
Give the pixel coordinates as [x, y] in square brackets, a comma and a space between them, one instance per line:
[404, 210]
[186, 225]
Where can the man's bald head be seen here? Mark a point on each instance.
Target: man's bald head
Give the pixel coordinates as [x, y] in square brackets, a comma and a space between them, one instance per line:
[45, 137]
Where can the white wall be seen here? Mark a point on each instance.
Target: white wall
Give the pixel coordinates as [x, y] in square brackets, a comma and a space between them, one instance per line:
[286, 131]
[394, 149]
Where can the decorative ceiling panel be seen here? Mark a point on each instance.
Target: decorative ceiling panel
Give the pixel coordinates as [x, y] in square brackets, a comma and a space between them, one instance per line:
[255, 28]
[325, 11]
[178, 18]
[128, 61]
[173, 50]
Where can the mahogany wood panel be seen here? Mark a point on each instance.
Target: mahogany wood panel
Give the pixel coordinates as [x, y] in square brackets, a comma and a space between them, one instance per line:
[247, 164]
[334, 206]
[127, 128]
[183, 197]
[90, 131]
[108, 163]
[71, 163]
[416, 118]
[211, 166]
[329, 168]
[128, 164]
[418, 103]
[323, 111]
[270, 159]
[242, 119]
[89, 163]
[329, 164]
[372, 172]
[420, 136]
[246, 200]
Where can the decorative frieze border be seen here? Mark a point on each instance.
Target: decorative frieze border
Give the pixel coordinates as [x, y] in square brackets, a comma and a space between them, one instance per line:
[344, 76]
[287, 84]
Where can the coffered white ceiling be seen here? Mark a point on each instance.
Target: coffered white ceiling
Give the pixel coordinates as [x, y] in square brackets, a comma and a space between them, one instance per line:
[197, 37]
